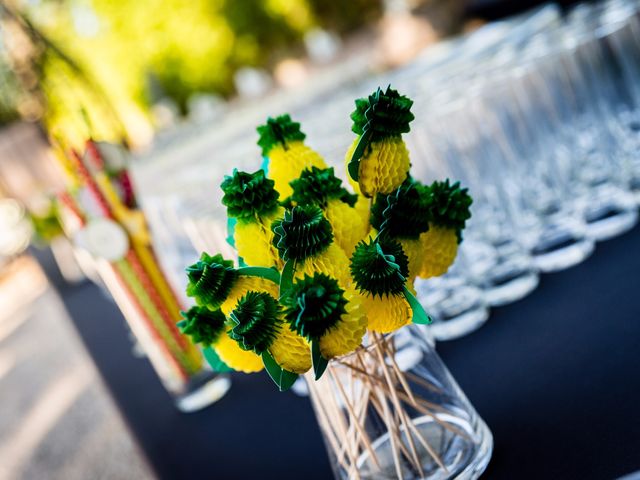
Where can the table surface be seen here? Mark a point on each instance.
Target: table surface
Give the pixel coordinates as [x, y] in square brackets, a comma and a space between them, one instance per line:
[555, 376]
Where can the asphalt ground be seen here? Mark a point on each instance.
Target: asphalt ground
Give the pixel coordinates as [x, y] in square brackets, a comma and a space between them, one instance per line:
[57, 421]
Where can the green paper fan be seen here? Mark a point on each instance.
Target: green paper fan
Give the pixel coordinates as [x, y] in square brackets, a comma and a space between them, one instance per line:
[256, 320]
[380, 267]
[247, 195]
[448, 205]
[314, 305]
[210, 280]
[202, 325]
[278, 131]
[319, 185]
[301, 233]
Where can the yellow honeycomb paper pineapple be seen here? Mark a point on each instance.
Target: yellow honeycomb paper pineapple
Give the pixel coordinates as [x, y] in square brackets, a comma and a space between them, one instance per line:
[209, 328]
[380, 269]
[258, 326]
[378, 159]
[402, 216]
[282, 144]
[318, 309]
[303, 237]
[252, 202]
[448, 207]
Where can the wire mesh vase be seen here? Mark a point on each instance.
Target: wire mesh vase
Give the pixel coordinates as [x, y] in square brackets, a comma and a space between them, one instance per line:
[392, 410]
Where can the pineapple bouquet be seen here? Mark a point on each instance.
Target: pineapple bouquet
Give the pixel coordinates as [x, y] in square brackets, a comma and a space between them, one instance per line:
[323, 270]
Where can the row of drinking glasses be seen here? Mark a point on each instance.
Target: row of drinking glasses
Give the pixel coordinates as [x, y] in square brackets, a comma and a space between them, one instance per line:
[543, 128]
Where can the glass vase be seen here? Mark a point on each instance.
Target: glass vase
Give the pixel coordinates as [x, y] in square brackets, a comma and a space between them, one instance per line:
[391, 410]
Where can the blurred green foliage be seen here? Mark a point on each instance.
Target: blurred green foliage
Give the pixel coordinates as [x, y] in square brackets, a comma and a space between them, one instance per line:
[46, 226]
[8, 91]
[128, 53]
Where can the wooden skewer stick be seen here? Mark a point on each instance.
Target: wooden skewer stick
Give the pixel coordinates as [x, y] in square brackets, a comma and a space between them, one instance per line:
[427, 406]
[389, 386]
[352, 434]
[405, 422]
[427, 411]
[363, 371]
[354, 420]
[392, 434]
[401, 377]
[343, 452]
[421, 381]
[393, 427]
[339, 420]
[336, 421]
[422, 405]
[361, 414]
[428, 447]
[392, 430]
[396, 402]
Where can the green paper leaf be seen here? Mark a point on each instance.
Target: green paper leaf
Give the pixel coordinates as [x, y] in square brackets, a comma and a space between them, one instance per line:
[319, 362]
[379, 267]
[281, 377]
[268, 273]
[420, 316]
[354, 169]
[215, 361]
[231, 230]
[286, 278]
[358, 152]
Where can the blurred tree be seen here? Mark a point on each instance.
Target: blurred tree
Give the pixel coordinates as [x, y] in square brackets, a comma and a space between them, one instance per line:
[261, 29]
[185, 47]
[114, 59]
[52, 82]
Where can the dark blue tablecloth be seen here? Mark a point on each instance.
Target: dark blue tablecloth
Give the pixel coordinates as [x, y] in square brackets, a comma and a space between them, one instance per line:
[556, 377]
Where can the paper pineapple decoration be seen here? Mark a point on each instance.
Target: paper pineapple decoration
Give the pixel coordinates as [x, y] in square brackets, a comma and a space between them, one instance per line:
[378, 158]
[323, 265]
[283, 146]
